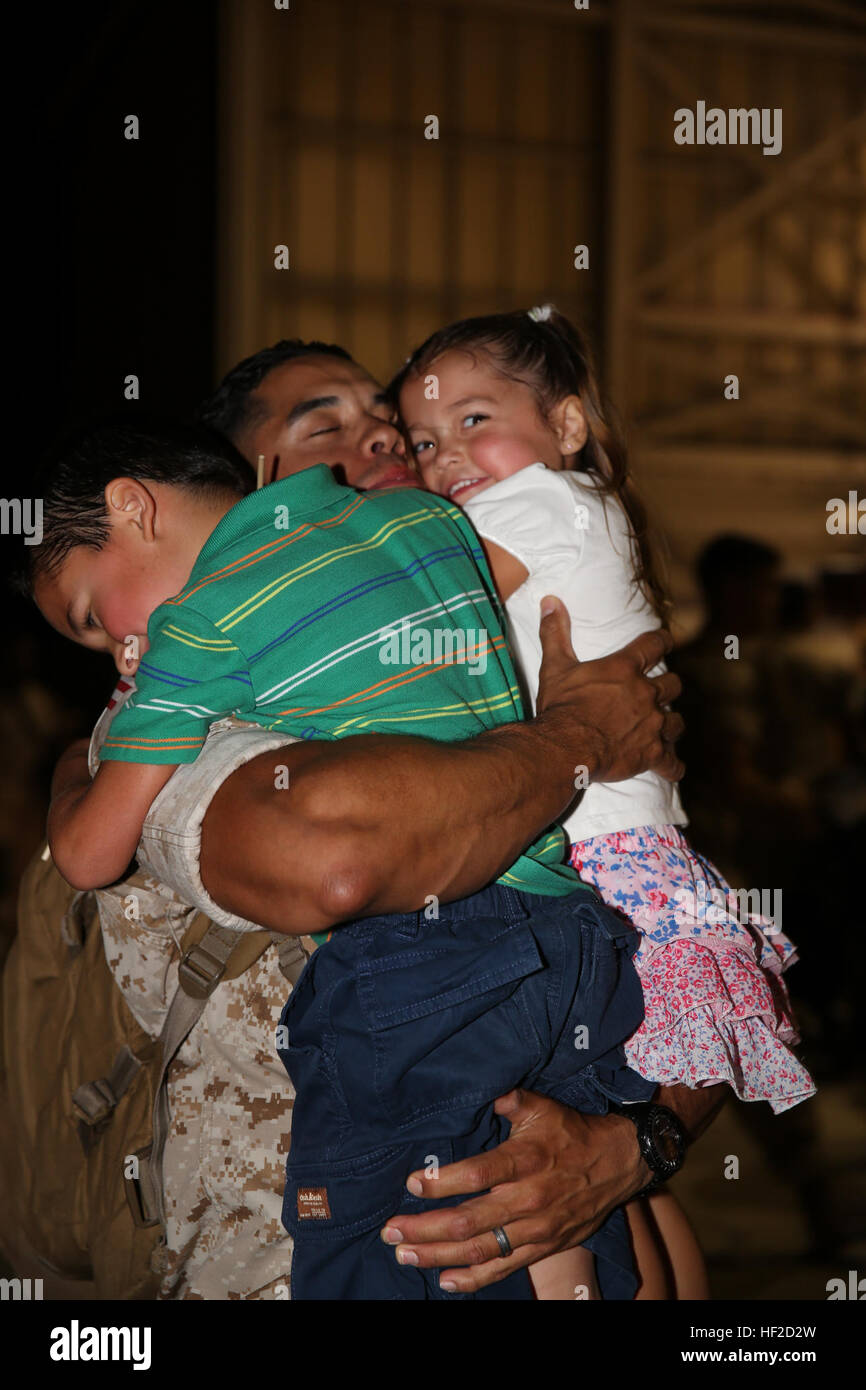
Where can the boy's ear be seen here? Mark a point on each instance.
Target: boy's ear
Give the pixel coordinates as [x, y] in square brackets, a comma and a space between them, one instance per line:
[129, 502]
[568, 422]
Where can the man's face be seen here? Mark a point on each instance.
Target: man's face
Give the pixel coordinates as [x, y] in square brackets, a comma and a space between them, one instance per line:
[325, 410]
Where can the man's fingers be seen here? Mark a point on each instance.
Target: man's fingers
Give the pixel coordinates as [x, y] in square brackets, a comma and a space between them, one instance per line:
[668, 687]
[669, 765]
[476, 1174]
[649, 648]
[480, 1276]
[514, 1105]
[471, 1220]
[555, 631]
[673, 725]
[470, 1259]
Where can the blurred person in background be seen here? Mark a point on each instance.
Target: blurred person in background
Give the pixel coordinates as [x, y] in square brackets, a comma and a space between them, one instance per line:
[777, 786]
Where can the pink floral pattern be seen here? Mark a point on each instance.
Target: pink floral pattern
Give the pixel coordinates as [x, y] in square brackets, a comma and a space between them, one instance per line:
[717, 1008]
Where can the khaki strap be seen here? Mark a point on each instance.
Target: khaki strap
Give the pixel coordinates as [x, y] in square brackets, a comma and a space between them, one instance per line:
[95, 1101]
[73, 924]
[245, 948]
[291, 954]
[211, 953]
[202, 967]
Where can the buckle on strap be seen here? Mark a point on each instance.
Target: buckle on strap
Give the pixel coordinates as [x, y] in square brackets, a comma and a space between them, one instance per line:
[203, 965]
[200, 972]
[94, 1100]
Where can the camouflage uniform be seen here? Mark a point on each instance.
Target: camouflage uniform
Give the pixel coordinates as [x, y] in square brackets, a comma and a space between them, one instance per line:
[229, 1095]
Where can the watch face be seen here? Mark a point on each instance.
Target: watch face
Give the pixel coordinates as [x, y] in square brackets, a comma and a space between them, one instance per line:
[667, 1139]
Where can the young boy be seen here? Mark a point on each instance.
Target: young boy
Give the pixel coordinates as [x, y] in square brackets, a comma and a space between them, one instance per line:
[319, 612]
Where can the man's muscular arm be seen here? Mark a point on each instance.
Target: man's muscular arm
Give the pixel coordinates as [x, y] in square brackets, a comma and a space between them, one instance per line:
[376, 823]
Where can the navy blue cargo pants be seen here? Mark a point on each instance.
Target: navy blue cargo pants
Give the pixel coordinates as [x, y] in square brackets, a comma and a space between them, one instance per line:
[401, 1034]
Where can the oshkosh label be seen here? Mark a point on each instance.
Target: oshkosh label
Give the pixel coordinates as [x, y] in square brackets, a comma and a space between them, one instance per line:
[313, 1204]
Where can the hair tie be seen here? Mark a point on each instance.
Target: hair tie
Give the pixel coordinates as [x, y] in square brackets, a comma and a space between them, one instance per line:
[541, 313]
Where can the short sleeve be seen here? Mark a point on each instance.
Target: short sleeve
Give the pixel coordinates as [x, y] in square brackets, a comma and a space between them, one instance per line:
[535, 514]
[190, 676]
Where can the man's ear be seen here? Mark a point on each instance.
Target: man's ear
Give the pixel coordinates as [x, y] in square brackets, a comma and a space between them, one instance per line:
[129, 502]
[568, 422]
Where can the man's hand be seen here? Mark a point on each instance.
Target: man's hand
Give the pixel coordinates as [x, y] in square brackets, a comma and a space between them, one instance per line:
[552, 1183]
[609, 712]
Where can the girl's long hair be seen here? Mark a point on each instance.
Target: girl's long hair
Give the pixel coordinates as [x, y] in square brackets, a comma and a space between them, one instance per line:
[550, 356]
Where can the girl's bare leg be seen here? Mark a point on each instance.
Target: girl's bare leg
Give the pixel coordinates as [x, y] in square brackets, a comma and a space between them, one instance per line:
[669, 1260]
[683, 1251]
[567, 1276]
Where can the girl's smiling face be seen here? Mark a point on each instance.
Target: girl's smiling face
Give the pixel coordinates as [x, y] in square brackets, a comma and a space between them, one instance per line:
[482, 428]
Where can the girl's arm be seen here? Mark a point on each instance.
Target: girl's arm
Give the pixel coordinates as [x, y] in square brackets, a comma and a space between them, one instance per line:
[508, 572]
[94, 826]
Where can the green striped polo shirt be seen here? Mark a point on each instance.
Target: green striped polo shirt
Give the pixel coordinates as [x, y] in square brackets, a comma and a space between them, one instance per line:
[323, 612]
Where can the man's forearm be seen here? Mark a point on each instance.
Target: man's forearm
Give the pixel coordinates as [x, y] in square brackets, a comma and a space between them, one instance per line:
[695, 1109]
[376, 824]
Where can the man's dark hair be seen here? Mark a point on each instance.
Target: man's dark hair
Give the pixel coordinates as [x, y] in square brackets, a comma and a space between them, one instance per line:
[71, 482]
[733, 557]
[231, 409]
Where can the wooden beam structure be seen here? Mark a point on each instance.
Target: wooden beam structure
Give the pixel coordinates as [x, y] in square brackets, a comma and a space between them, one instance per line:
[823, 329]
[557, 130]
[740, 217]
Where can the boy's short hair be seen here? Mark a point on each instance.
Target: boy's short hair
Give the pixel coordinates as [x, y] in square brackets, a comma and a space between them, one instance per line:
[231, 408]
[72, 480]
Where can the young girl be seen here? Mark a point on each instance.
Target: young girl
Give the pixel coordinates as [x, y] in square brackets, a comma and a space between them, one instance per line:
[505, 419]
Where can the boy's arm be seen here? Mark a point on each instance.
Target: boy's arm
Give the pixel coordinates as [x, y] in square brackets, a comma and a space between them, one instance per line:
[190, 675]
[94, 826]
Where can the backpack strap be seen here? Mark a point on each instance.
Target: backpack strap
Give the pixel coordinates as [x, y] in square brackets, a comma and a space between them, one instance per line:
[95, 1101]
[211, 953]
[292, 955]
[202, 967]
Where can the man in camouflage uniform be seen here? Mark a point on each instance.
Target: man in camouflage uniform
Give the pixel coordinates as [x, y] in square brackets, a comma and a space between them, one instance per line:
[230, 1099]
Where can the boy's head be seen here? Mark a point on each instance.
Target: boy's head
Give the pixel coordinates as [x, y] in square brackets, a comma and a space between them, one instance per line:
[124, 515]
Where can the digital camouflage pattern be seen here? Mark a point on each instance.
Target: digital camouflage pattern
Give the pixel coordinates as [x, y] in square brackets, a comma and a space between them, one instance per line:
[230, 1100]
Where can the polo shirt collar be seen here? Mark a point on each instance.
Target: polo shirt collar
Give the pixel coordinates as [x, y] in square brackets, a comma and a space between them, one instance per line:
[311, 490]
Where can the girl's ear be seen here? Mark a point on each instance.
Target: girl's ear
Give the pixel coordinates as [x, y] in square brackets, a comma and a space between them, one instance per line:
[568, 422]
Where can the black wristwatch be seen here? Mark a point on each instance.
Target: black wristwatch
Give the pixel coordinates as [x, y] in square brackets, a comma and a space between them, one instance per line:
[661, 1138]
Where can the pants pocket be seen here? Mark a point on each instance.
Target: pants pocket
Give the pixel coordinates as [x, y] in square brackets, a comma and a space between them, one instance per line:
[448, 1025]
[335, 1211]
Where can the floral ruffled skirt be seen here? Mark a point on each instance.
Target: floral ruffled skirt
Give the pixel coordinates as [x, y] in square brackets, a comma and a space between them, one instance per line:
[710, 962]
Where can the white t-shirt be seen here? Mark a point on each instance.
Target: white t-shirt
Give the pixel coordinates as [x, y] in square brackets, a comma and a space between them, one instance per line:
[575, 543]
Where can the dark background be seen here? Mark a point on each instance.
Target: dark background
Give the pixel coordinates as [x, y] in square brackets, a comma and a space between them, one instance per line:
[114, 271]
[113, 251]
